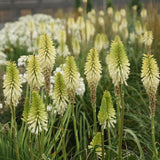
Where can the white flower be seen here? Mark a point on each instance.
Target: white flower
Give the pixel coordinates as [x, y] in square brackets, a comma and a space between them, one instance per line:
[49, 108]
[23, 78]
[22, 61]
[52, 80]
[81, 87]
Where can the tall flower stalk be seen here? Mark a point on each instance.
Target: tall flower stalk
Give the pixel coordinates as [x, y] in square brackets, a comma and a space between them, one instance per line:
[25, 118]
[93, 71]
[118, 65]
[106, 117]
[12, 92]
[150, 78]
[37, 118]
[71, 78]
[60, 99]
[47, 55]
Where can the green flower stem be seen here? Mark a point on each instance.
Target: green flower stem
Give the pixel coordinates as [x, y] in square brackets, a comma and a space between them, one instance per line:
[102, 129]
[75, 128]
[118, 113]
[60, 143]
[63, 140]
[109, 142]
[93, 101]
[24, 129]
[95, 121]
[15, 131]
[30, 147]
[39, 146]
[121, 125]
[155, 153]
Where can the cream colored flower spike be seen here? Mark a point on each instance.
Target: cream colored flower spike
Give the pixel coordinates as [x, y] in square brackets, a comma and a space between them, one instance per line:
[150, 74]
[60, 97]
[12, 85]
[148, 38]
[37, 118]
[34, 73]
[93, 68]
[118, 63]
[47, 53]
[71, 75]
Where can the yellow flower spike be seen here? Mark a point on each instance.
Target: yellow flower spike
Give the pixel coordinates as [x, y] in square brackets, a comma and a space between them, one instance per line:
[118, 63]
[62, 36]
[101, 42]
[12, 92]
[150, 78]
[115, 27]
[134, 8]
[96, 143]
[124, 23]
[93, 12]
[37, 118]
[106, 112]
[123, 13]
[90, 30]
[148, 38]
[138, 28]
[34, 73]
[80, 10]
[101, 13]
[60, 97]
[52, 27]
[42, 28]
[143, 13]
[117, 16]
[98, 44]
[76, 47]
[12, 85]
[26, 110]
[110, 11]
[71, 76]
[47, 55]
[150, 74]
[71, 23]
[80, 23]
[101, 21]
[93, 68]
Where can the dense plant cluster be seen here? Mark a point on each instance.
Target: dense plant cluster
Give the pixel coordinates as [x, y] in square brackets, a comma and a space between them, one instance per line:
[81, 87]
